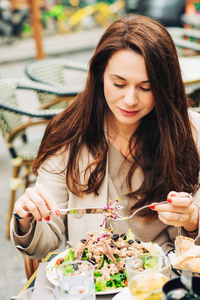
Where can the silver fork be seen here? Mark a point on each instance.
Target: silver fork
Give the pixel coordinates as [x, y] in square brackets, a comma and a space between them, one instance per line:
[120, 218]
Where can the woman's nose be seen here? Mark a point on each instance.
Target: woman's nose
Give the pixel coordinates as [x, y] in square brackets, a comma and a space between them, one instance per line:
[130, 97]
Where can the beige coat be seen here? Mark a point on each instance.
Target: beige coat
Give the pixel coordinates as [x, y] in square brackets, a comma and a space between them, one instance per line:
[48, 236]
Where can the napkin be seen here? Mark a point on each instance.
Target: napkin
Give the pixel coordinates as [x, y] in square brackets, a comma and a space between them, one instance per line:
[41, 279]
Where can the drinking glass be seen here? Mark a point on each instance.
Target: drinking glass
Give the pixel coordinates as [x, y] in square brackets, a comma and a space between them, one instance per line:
[75, 281]
[37, 293]
[146, 274]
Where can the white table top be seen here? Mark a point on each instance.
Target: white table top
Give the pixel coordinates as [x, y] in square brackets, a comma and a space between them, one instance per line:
[190, 67]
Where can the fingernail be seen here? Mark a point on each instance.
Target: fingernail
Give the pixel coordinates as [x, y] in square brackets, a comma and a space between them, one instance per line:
[169, 200]
[152, 206]
[57, 213]
[28, 216]
[173, 195]
[40, 220]
[47, 218]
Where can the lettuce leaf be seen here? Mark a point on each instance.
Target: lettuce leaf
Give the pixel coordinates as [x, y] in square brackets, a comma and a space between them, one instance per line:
[70, 255]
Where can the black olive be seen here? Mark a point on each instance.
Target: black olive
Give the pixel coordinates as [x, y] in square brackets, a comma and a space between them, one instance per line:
[93, 260]
[83, 241]
[137, 241]
[62, 261]
[115, 237]
[75, 267]
[123, 236]
[112, 245]
[130, 242]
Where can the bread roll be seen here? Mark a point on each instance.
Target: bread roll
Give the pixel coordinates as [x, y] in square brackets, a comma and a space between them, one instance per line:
[194, 252]
[191, 264]
[183, 244]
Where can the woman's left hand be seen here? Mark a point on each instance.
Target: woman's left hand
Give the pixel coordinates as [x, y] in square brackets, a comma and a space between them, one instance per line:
[179, 211]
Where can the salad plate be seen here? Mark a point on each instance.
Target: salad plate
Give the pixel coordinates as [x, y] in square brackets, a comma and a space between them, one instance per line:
[51, 270]
[51, 273]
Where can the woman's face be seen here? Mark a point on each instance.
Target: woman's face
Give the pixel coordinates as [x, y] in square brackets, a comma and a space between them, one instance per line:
[127, 89]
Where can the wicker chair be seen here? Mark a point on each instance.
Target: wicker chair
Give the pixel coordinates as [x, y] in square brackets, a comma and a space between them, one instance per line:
[186, 39]
[22, 139]
[60, 73]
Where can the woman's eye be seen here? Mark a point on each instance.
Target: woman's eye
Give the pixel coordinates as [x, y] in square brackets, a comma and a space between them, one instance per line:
[119, 85]
[145, 89]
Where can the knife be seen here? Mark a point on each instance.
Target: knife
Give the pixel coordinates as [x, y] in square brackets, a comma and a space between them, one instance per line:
[86, 210]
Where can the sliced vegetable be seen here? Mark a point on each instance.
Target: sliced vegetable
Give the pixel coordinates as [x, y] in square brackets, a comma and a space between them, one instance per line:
[130, 235]
[59, 261]
[101, 262]
[70, 255]
[100, 285]
[151, 262]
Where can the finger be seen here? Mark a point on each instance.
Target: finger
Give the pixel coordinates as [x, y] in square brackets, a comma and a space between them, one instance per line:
[180, 194]
[169, 208]
[20, 206]
[50, 201]
[36, 204]
[180, 201]
[174, 219]
[161, 207]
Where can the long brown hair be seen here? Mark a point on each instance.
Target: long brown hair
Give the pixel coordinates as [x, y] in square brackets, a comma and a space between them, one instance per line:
[164, 146]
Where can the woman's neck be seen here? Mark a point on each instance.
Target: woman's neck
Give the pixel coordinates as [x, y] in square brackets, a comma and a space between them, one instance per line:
[116, 128]
[119, 136]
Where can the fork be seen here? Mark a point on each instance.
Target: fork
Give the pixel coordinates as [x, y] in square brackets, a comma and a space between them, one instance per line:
[120, 218]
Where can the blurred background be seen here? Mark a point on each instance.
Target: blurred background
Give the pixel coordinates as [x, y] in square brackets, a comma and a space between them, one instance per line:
[37, 30]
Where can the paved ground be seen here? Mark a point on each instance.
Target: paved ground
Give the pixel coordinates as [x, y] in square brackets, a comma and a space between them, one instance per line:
[59, 44]
[13, 60]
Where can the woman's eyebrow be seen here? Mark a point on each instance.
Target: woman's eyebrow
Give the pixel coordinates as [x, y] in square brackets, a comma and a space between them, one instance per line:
[117, 76]
[145, 81]
[122, 78]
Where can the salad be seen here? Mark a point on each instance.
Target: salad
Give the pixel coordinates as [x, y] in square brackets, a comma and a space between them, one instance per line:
[108, 252]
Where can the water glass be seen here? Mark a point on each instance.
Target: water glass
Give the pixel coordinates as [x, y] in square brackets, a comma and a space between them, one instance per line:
[146, 274]
[75, 281]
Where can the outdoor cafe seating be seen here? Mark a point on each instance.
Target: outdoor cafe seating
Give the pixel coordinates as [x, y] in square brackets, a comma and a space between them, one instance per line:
[21, 129]
[66, 75]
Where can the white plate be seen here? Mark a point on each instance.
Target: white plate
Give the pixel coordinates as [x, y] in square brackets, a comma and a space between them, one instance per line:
[125, 295]
[51, 274]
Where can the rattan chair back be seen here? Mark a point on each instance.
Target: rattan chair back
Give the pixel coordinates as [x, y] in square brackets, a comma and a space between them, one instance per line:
[61, 73]
[15, 122]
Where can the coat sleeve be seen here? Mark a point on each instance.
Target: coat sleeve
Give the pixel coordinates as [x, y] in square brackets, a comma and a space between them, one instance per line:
[44, 236]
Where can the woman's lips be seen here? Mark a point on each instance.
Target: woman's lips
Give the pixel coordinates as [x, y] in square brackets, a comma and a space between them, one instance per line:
[128, 112]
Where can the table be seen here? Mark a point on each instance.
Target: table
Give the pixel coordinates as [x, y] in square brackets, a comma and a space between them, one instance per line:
[190, 68]
[40, 277]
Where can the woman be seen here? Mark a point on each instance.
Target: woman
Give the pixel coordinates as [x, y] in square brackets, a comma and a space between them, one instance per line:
[129, 135]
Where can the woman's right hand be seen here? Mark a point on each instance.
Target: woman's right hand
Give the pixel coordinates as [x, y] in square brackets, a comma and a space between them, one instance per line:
[38, 201]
